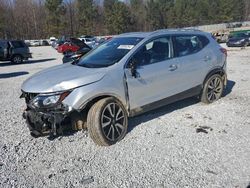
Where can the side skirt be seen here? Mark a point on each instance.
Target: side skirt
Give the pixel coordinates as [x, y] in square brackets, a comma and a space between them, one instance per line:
[183, 95]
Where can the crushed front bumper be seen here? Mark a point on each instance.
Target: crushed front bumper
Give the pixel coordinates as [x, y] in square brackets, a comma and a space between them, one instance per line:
[41, 124]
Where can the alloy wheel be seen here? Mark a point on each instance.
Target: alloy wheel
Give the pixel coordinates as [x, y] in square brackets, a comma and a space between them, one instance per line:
[215, 88]
[113, 121]
[17, 59]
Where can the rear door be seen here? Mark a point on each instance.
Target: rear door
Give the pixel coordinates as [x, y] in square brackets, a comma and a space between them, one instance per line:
[157, 73]
[194, 59]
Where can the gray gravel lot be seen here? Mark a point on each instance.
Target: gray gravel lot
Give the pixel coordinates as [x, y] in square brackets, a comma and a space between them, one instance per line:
[163, 148]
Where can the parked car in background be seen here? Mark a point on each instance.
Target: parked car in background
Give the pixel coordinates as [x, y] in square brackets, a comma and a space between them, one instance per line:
[126, 76]
[35, 43]
[99, 41]
[71, 45]
[74, 56]
[89, 40]
[57, 43]
[27, 42]
[239, 40]
[14, 50]
[52, 39]
[221, 37]
[44, 43]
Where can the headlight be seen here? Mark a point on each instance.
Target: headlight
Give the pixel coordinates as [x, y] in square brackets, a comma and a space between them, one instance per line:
[49, 100]
[242, 40]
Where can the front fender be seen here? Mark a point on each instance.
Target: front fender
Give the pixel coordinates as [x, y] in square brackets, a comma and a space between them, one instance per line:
[81, 96]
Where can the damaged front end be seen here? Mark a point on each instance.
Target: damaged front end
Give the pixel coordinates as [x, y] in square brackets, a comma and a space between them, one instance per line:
[47, 115]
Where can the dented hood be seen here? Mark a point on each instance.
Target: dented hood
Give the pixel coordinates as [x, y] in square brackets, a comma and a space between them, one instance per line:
[61, 78]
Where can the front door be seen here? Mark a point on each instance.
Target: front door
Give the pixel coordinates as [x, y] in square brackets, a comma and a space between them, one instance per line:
[157, 73]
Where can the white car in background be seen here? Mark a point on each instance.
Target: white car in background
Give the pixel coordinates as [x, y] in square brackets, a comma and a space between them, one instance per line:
[35, 43]
[52, 40]
[90, 41]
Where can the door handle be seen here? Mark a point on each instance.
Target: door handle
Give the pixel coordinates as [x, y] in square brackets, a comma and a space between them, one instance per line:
[172, 67]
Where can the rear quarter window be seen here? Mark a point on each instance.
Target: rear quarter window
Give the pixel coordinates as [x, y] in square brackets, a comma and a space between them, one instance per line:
[18, 44]
[204, 40]
[3, 44]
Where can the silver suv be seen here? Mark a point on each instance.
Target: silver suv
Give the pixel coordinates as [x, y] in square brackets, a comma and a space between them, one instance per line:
[126, 76]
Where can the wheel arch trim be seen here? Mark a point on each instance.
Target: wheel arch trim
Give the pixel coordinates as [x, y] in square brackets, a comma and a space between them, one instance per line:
[100, 96]
[218, 70]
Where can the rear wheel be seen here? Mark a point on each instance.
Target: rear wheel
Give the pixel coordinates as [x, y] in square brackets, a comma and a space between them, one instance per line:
[17, 59]
[213, 89]
[107, 122]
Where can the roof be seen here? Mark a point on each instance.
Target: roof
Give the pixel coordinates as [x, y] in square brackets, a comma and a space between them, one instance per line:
[159, 32]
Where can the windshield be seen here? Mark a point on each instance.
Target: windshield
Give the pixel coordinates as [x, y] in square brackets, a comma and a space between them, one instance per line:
[109, 53]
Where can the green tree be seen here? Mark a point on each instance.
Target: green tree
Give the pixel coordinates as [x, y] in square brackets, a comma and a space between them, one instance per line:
[55, 22]
[87, 15]
[158, 13]
[2, 22]
[138, 12]
[117, 16]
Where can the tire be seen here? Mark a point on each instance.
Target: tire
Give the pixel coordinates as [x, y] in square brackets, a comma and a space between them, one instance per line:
[17, 59]
[107, 122]
[213, 89]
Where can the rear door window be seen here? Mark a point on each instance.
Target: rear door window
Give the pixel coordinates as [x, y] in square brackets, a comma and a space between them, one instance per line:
[188, 44]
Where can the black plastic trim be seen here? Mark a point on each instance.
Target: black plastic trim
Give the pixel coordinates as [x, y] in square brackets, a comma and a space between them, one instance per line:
[186, 94]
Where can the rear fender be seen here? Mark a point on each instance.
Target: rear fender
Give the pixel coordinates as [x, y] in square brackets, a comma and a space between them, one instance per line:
[219, 71]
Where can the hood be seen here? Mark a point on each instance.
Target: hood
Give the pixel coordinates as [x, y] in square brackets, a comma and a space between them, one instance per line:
[61, 78]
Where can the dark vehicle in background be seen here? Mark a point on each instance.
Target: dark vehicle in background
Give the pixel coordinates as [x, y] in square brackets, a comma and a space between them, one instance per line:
[14, 50]
[239, 40]
[44, 43]
[71, 45]
[74, 56]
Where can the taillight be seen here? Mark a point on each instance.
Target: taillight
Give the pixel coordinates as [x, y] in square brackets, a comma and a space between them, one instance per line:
[224, 51]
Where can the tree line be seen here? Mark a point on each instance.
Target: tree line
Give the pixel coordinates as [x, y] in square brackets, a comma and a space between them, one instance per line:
[35, 19]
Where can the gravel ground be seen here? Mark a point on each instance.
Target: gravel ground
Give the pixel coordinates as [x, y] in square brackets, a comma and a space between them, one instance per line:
[186, 144]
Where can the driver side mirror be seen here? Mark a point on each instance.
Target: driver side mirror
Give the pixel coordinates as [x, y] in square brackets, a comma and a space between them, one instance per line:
[132, 65]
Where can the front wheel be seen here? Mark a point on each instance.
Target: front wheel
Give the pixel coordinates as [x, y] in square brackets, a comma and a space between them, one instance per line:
[107, 122]
[212, 89]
